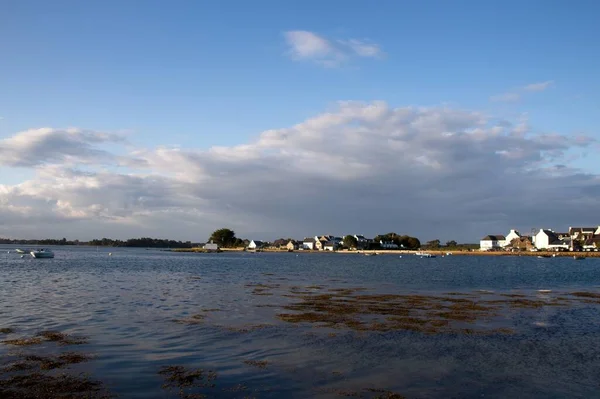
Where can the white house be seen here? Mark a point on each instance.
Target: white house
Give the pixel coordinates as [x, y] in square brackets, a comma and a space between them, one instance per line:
[330, 246]
[511, 236]
[548, 239]
[492, 242]
[308, 243]
[388, 245]
[255, 244]
[211, 246]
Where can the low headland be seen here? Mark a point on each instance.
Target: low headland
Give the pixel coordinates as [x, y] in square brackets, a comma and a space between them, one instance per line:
[440, 253]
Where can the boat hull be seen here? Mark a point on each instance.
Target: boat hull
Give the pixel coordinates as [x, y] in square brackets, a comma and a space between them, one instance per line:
[42, 255]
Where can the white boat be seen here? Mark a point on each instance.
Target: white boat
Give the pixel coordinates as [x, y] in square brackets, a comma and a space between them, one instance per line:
[424, 255]
[42, 253]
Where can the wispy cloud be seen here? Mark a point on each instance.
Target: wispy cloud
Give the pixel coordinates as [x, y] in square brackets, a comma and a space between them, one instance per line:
[539, 86]
[506, 97]
[516, 94]
[309, 46]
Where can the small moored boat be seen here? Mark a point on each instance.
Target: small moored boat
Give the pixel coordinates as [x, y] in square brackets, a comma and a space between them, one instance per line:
[42, 253]
[578, 257]
[425, 255]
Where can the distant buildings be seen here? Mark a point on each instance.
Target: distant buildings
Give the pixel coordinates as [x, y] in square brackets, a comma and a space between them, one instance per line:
[578, 238]
[211, 246]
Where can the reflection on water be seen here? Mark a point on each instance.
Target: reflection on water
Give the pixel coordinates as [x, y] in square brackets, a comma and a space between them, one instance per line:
[448, 327]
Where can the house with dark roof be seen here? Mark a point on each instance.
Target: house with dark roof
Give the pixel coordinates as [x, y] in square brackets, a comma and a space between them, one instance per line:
[583, 232]
[548, 239]
[512, 234]
[308, 243]
[491, 242]
[256, 244]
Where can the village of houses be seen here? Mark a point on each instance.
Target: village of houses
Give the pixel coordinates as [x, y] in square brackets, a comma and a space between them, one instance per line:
[576, 239]
[321, 243]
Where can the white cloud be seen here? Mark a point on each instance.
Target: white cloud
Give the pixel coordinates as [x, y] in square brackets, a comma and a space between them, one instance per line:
[308, 46]
[516, 94]
[539, 86]
[434, 172]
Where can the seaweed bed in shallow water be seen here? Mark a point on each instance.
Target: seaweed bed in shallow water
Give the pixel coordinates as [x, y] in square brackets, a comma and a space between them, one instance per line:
[466, 313]
[28, 375]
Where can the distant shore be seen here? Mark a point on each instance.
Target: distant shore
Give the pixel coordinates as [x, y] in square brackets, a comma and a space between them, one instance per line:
[406, 252]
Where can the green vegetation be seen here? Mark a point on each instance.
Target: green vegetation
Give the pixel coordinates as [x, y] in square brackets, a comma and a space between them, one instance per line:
[144, 242]
[226, 238]
[350, 242]
[403, 241]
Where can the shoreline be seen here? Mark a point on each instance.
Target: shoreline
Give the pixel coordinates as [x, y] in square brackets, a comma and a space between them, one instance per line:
[405, 252]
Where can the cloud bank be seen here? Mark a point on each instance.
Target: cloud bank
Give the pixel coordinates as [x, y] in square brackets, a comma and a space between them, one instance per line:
[367, 168]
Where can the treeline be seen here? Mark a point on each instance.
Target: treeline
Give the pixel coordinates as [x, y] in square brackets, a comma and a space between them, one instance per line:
[403, 241]
[144, 242]
[453, 245]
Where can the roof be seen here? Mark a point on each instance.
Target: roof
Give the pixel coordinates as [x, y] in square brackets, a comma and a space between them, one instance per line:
[582, 229]
[329, 244]
[497, 237]
[359, 237]
[257, 242]
[309, 239]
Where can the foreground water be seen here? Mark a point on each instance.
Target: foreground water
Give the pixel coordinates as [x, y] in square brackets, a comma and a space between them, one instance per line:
[514, 327]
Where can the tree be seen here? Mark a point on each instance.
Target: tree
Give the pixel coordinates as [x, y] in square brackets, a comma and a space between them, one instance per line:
[451, 244]
[350, 241]
[412, 243]
[223, 237]
[433, 244]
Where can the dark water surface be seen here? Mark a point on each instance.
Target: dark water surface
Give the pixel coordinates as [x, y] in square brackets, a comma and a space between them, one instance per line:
[127, 305]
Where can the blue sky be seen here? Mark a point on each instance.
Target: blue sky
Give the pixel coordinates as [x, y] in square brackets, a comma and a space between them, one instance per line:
[187, 66]
[218, 73]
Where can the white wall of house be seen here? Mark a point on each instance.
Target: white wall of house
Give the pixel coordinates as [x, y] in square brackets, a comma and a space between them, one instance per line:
[253, 245]
[211, 246]
[488, 244]
[511, 236]
[541, 240]
[308, 245]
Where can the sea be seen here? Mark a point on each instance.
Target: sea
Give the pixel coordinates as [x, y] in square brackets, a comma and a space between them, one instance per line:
[161, 324]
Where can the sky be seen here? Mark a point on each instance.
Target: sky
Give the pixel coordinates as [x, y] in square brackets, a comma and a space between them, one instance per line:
[441, 120]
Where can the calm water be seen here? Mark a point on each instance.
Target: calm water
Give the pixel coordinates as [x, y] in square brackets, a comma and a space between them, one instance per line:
[126, 304]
